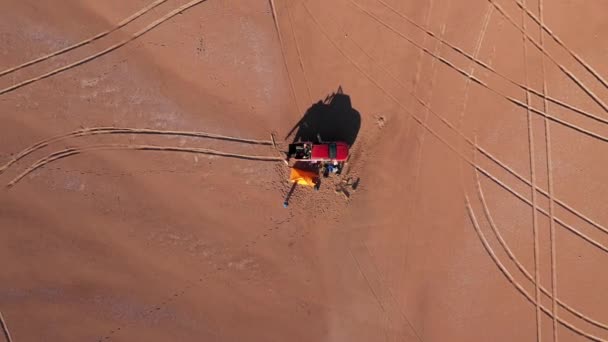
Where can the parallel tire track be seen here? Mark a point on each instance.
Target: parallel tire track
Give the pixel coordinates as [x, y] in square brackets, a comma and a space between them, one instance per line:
[543, 27]
[519, 265]
[532, 158]
[553, 243]
[111, 147]
[565, 70]
[299, 52]
[471, 58]
[483, 151]
[123, 130]
[514, 282]
[138, 34]
[282, 46]
[542, 211]
[98, 36]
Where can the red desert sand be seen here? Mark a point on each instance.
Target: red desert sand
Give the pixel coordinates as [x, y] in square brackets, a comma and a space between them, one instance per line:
[143, 174]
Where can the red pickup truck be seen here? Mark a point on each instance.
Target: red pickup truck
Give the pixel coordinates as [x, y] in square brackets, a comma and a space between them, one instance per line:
[323, 152]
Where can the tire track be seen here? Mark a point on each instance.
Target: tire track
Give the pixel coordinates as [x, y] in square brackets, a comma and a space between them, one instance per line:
[534, 194]
[465, 158]
[447, 123]
[7, 334]
[540, 22]
[138, 34]
[123, 130]
[519, 265]
[543, 211]
[275, 18]
[381, 281]
[299, 52]
[551, 58]
[418, 156]
[87, 41]
[545, 193]
[427, 23]
[553, 242]
[111, 147]
[471, 58]
[477, 50]
[518, 103]
[371, 289]
[514, 282]
[390, 304]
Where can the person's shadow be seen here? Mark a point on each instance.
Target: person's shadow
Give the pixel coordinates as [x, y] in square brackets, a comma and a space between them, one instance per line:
[333, 119]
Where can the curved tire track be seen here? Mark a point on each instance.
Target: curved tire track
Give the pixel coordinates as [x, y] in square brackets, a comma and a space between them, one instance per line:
[514, 282]
[123, 130]
[111, 147]
[483, 151]
[519, 265]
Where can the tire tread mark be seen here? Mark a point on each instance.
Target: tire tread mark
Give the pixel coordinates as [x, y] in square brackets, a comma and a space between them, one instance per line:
[543, 211]
[292, 86]
[565, 70]
[105, 51]
[122, 130]
[7, 333]
[89, 40]
[543, 27]
[427, 23]
[512, 280]
[513, 258]
[532, 159]
[553, 242]
[456, 150]
[299, 52]
[473, 59]
[112, 147]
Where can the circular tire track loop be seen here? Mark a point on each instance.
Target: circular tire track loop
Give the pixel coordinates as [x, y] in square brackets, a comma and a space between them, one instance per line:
[477, 167]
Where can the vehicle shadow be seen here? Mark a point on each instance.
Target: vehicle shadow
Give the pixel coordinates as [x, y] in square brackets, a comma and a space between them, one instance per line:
[333, 119]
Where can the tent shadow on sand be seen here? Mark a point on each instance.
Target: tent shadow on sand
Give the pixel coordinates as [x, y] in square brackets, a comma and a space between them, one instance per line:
[333, 119]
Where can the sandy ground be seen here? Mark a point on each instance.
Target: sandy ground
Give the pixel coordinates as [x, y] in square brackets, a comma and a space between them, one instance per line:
[479, 216]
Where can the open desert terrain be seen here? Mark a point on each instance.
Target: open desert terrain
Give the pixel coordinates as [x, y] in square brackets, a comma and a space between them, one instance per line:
[142, 170]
